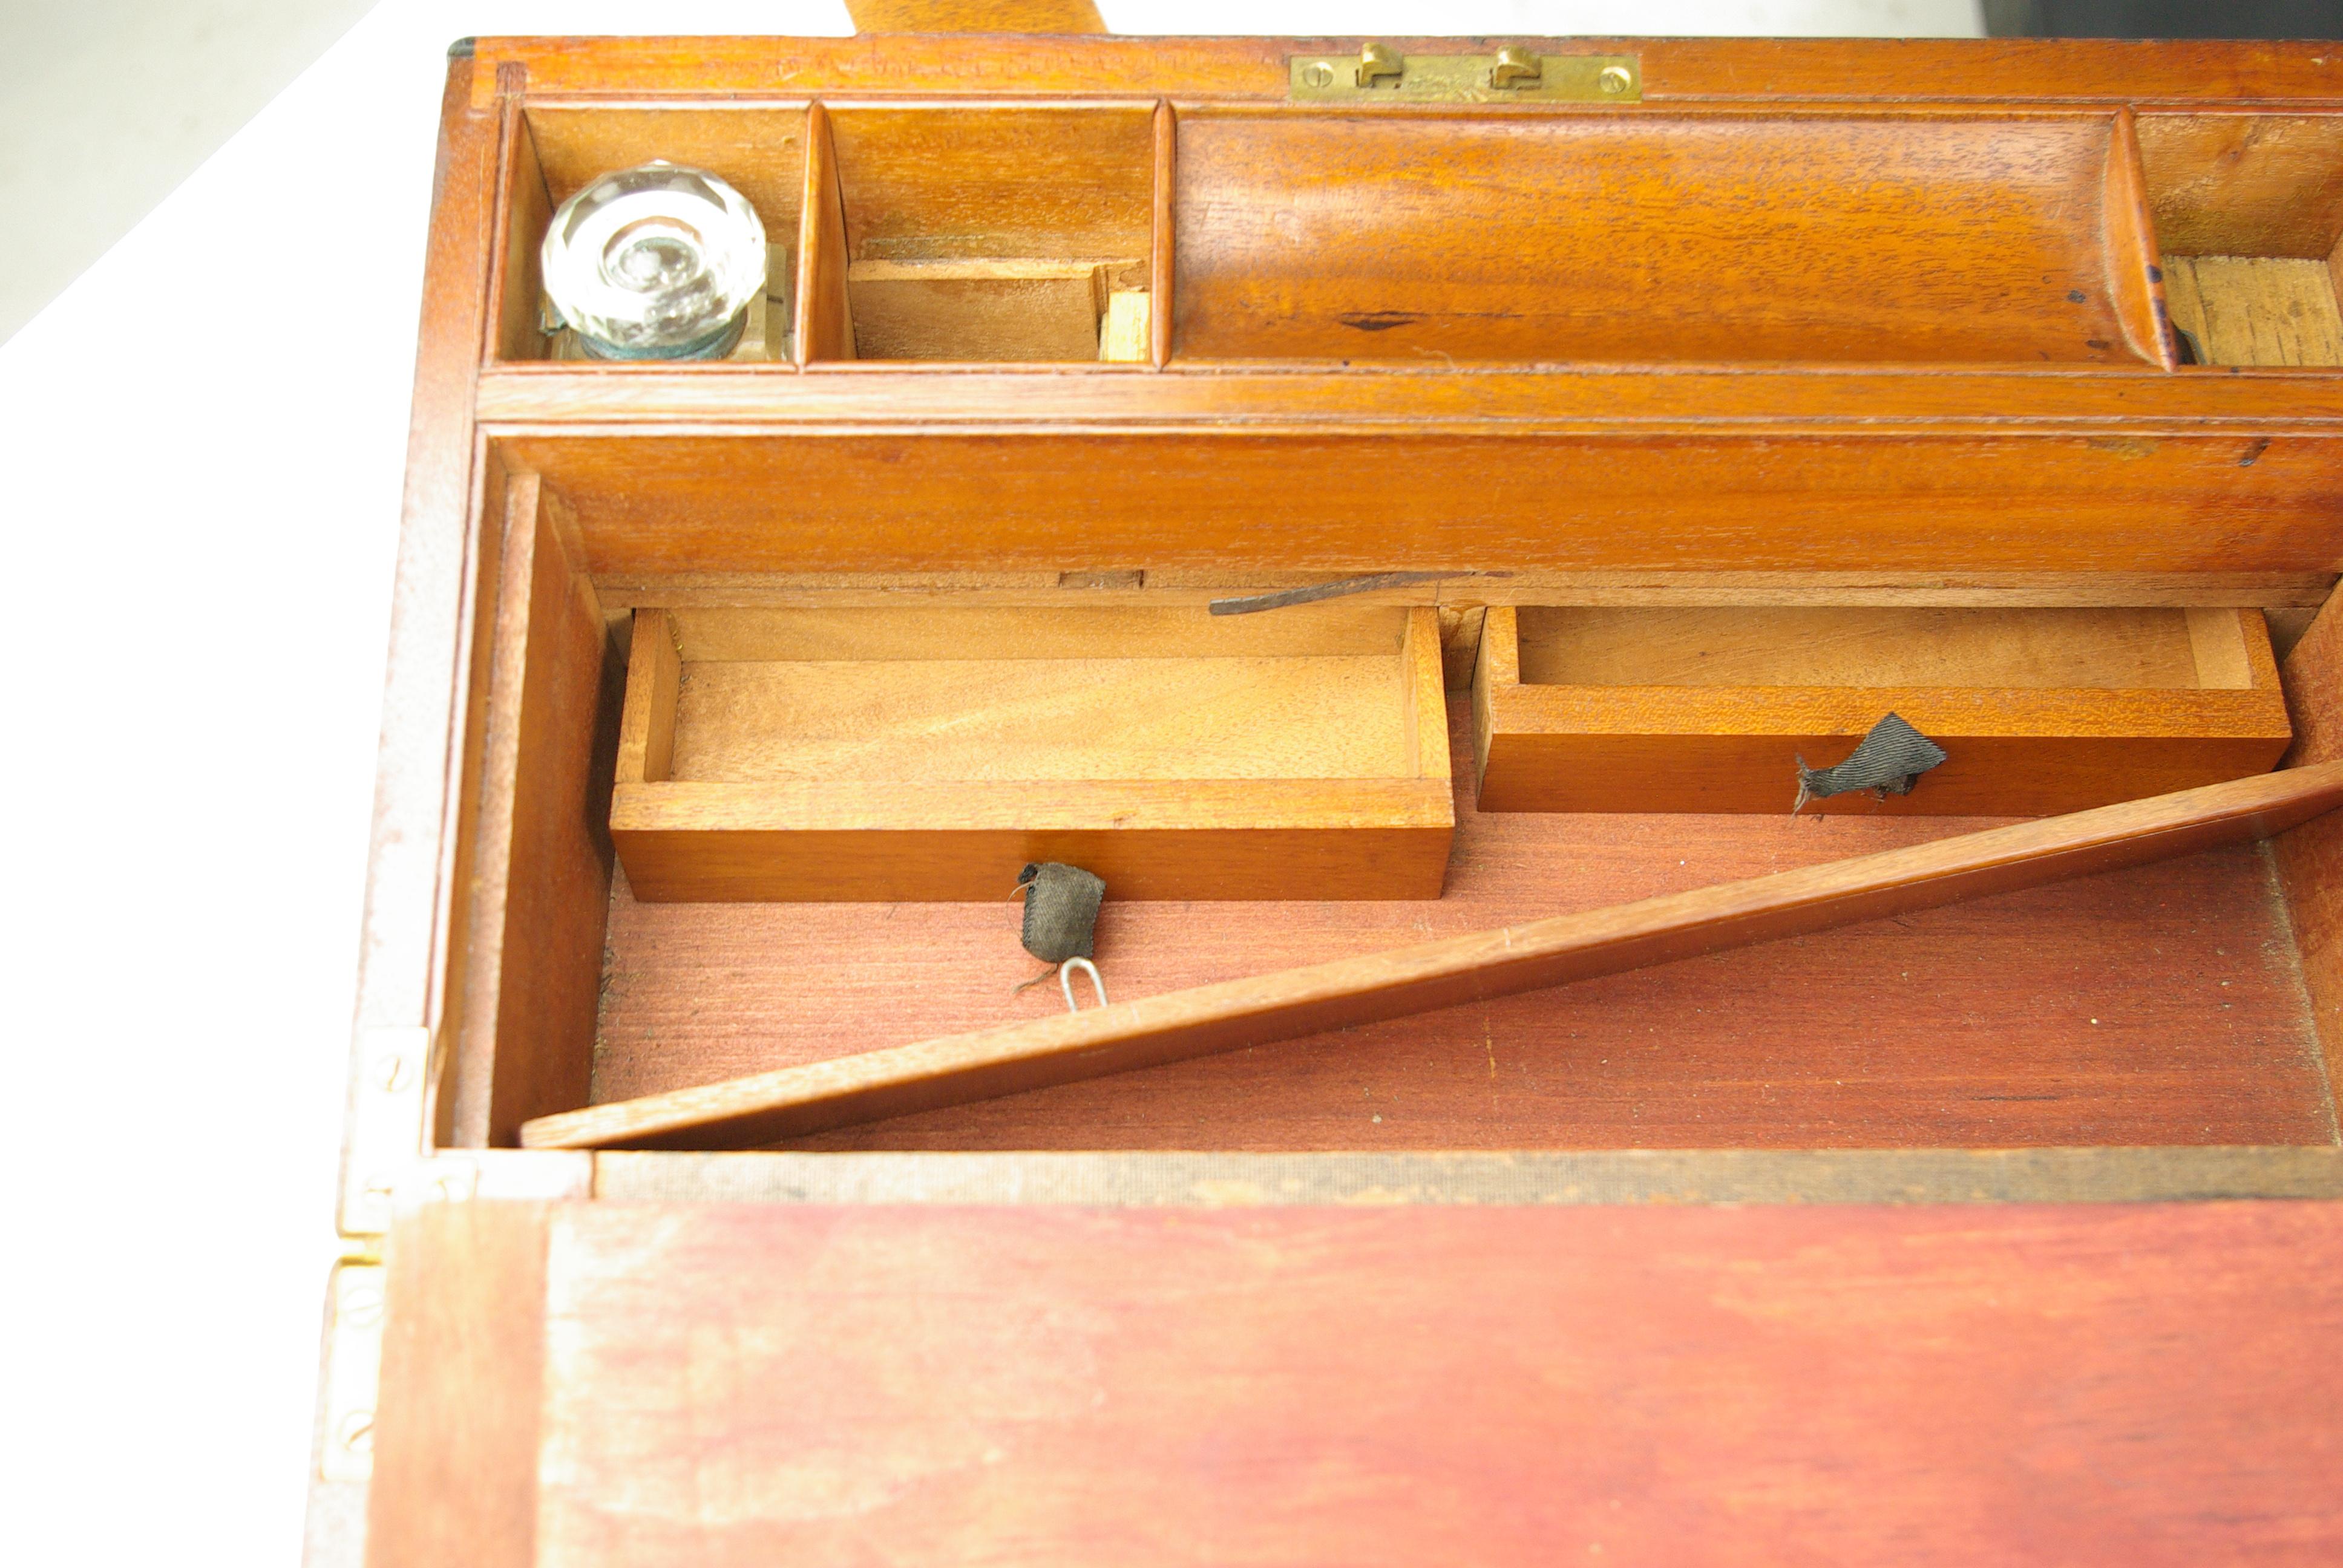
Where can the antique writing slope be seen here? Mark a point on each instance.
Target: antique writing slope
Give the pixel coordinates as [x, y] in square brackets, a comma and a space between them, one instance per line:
[1683, 408]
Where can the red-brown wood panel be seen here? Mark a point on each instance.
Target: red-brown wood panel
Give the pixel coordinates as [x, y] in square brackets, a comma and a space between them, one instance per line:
[744, 1384]
[2159, 1005]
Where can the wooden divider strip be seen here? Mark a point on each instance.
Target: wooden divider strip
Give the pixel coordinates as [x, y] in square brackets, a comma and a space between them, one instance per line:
[1177, 1025]
[1159, 250]
[825, 324]
[2135, 270]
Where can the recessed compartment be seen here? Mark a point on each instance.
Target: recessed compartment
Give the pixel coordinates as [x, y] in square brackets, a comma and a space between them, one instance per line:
[2248, 214]
[986, 234]
[558, 150]
[873, 755]
[1713, 709]
[1651, 238]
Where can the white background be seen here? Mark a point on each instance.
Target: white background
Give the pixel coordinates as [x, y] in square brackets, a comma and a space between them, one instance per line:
[201, 445]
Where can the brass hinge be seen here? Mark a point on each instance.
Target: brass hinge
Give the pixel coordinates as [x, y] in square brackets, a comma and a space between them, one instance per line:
[1513, 74]
[387, 1108]
[353, 1372]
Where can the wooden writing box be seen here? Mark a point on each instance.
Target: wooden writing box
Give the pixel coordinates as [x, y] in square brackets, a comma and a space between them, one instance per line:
[1927, 1185]
[2039, 711]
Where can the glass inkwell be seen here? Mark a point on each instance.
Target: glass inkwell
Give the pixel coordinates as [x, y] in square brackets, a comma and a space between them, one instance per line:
[654, 262]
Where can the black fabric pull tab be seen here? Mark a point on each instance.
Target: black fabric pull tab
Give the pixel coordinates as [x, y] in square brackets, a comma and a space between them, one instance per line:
[1061, 912]
[1887, 761]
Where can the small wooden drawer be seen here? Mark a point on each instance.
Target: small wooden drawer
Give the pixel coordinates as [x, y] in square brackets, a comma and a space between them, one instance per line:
[1710, 709]
[870, 755]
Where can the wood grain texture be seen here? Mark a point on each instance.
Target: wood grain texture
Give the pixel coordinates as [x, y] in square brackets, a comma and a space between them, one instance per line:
[412, 936]
[1126, 332]
[525, 215]
[459, 1424]
[2290, 598]
[758, 151]
[990, 181]
[1259, 760]
[2244, 184]
[1163, 248]
[2060, 73]
[1219, 1178]
[541, 878]
[1678, 741]
[2109, 649]
[2127, 231]
[1639, 239]
[1442, 973]
[654, 683]
[977, 310]
[824, 325]
[2024, 1385]
[975, 17]
[2159, 1005]
[2310, 858]
[1072, 498]
[1763, 401]
[2256, 310]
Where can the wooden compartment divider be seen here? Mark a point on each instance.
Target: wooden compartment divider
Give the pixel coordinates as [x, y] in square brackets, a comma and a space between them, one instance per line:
[1153, 1031]
[825, 323]
[2039, 711]
[889, 755]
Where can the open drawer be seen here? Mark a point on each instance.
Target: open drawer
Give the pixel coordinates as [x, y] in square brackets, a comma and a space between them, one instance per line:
[880, 755]
[1714, 709]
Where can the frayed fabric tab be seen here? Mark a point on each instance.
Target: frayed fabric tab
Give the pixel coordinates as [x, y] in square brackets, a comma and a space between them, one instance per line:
[1887, 761]
[1061, 912]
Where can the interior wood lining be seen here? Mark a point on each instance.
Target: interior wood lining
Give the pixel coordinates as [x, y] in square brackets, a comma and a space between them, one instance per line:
[2111, 648]
[1645, 238]
[2161, 1005]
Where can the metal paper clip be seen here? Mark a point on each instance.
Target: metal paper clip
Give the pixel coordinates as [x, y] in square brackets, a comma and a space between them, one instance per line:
[1066, 981]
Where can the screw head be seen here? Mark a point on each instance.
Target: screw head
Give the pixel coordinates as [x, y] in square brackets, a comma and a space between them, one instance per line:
[1613, 79]
[1318, 74]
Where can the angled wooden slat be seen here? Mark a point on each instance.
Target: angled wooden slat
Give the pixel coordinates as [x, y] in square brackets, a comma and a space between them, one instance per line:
[1177, 1025]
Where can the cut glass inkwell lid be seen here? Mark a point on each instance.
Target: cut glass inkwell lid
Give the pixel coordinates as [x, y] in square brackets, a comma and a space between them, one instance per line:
[655, 262]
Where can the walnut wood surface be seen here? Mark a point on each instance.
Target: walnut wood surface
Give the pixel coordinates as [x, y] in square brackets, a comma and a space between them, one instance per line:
[1634, 239]
[1444, 973]
[725, 1384]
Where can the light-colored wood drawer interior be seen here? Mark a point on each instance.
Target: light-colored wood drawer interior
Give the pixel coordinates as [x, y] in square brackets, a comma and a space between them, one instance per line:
[1714, 709]
[865, 754]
